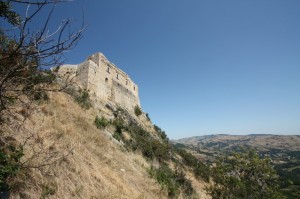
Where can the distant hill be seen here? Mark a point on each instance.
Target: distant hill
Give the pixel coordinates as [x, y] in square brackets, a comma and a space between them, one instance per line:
[283, 151]
[261, 142]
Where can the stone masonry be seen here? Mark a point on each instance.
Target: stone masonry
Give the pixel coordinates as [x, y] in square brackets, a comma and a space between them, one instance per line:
[103, 80]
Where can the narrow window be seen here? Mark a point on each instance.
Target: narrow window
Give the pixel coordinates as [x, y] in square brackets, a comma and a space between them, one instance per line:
[134, 88]
[117, 76]
[106, 79]
[108, 69]
[126, 82]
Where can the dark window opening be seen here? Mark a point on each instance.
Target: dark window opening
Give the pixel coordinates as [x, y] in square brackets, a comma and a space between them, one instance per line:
[126, 82]
[134, 88]
[108, 69]
[117, 76]
[106, 79]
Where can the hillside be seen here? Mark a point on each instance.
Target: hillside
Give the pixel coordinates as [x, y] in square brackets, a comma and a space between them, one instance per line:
[282, 150]
[69, 157]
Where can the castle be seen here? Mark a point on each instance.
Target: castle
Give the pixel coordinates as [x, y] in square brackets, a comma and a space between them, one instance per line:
[103, 80]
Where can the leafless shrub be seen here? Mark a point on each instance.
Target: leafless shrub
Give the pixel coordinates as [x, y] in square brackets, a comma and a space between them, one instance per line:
[25, 52]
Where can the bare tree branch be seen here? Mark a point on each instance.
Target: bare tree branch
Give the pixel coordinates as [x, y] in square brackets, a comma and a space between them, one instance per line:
[39, 2]
[25, 51]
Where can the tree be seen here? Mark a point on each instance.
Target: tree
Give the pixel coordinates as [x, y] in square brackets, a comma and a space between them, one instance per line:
[137, 110]
[25, 50]
[244, 175]
[7, 13]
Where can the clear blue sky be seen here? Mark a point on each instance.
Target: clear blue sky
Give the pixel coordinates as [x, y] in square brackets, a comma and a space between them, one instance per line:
[203, 67]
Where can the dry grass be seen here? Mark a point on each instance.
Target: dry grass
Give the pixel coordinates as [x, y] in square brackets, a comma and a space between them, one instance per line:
[79, 160]
[89, 165]
[198, 185]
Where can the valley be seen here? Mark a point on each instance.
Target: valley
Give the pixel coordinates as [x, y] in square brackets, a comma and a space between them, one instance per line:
[283, 151]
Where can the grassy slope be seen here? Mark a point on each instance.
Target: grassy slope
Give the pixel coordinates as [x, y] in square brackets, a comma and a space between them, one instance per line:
[97, 166]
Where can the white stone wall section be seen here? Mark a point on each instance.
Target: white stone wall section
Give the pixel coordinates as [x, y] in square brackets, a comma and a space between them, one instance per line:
[104, 81]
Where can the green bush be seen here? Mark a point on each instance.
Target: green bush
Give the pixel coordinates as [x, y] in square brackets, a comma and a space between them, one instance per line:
[244, 175]
[148, 117]
[149, 146]
[137, 111]
[40, 96]
[164, 176]
[117, 136]
[184, 183]
[10, 165]
[161, 133]
[153, 148]
[119, 111]
[101, 122]
[173, 181]
[119, 125]
[200, 170]
[142, 140]
[83, 99]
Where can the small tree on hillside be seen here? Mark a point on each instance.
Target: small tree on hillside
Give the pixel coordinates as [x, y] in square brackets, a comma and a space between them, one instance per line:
[137, 110]
[244, 175]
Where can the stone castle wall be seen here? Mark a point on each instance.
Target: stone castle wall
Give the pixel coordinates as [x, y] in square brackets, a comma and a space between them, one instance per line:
[104, 81]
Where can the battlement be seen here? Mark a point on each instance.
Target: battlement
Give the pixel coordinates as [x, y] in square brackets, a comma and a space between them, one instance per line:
[104, 80]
